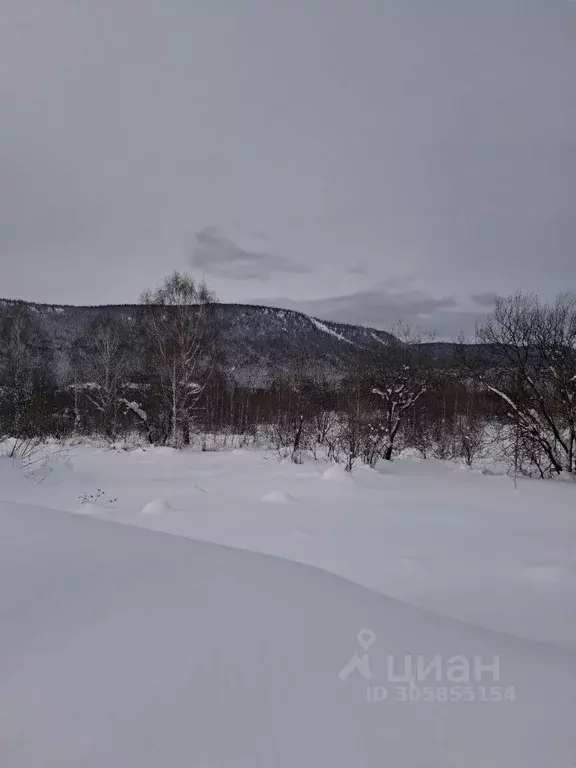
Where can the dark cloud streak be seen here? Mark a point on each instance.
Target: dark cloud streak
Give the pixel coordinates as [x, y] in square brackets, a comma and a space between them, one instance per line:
[382, 308]
[484, 299]
[217, 255]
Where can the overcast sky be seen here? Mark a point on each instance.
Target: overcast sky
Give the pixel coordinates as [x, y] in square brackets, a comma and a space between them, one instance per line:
[359, 159]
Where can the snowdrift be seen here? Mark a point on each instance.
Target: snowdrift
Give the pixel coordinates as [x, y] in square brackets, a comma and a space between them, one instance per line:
[125, 647]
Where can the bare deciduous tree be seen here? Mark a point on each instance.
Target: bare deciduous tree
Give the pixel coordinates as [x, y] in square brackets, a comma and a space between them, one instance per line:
[528, 360]
[181, 330]
[26, 370]
[102, 359]
[399, 374]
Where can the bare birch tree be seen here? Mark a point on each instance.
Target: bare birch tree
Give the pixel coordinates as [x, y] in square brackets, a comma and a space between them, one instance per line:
[180, 326]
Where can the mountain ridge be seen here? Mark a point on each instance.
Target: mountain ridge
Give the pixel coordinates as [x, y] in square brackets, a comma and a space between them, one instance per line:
[259, 342]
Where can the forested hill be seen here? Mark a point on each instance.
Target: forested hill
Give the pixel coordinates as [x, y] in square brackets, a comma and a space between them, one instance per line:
[257, 342]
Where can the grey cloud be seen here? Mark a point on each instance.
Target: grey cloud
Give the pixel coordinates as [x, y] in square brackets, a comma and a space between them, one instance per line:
[219, 256]
[462, 171]
[484, 299]
[383, 308]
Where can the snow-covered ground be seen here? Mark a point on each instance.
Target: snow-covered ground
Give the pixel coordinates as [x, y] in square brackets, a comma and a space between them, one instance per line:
[434, 534]
[127, 647]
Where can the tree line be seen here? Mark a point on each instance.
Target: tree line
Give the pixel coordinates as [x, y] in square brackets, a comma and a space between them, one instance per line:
[162, 374]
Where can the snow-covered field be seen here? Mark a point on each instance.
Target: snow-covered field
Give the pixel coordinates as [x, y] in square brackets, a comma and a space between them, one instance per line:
[125, 647]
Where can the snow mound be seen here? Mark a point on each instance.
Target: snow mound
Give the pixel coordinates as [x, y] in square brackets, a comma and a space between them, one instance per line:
[156, 507]
[367, 468]
[279, 497]
[164, 450]
[88, 509]
[337, 474]
[120, 446]
[52, 471]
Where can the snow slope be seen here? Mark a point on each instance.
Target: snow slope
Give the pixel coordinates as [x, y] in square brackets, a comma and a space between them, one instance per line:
[325, 329]
[440, 537]
[124, 647]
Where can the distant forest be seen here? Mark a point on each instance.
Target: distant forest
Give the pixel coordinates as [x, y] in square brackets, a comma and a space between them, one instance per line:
[179, 369]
